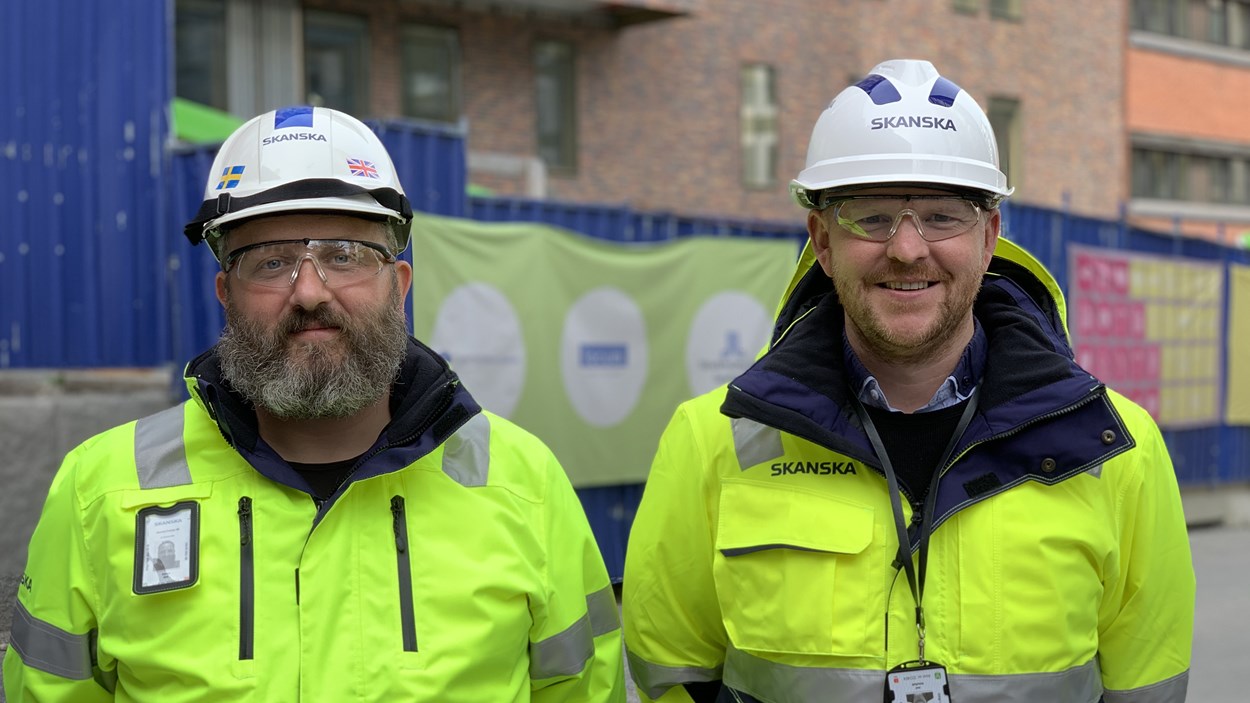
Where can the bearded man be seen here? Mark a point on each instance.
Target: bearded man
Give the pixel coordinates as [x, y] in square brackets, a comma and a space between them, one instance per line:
[331, 516]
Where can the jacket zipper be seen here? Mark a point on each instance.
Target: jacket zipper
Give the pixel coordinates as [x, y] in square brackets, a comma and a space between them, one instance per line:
[246, 591]
[399, 522]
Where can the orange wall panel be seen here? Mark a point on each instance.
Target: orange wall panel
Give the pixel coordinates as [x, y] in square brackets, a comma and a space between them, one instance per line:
[1179, 96]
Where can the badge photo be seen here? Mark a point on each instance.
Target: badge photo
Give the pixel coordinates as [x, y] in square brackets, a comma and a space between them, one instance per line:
[167, 547]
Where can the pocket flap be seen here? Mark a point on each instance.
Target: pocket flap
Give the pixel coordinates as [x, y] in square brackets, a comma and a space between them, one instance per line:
[756, 516]
[139, 497]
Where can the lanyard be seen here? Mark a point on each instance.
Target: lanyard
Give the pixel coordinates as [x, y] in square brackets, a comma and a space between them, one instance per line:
[925, 519]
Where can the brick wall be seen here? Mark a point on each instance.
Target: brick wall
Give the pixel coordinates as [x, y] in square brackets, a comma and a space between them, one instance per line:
[658, 103]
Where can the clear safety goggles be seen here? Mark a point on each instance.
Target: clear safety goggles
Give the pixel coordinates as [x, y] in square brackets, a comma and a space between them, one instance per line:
[339, 262]
[876, 217]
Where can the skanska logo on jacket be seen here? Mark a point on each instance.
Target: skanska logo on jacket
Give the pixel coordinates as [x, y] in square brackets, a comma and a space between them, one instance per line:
[820, 468]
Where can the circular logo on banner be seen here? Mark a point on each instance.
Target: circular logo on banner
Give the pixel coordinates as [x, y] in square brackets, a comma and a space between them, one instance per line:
[726, 334]
[603, 356]
[477, 331]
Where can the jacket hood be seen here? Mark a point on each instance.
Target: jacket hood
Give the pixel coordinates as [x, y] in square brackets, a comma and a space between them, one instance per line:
[810, 282]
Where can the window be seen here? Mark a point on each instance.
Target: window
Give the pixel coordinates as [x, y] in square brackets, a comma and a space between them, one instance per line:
[1158, 16]
[1005, 9]
[968, 7]
[1156, 174]
[1222, 22]
[1004, 115]
[200, 52]
[758, 117]
[1204, 178]
[336, 61]
[431, 83]
[556, 104]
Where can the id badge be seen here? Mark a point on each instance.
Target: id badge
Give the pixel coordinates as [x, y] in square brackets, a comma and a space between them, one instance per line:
[917, 682]
[167, 548]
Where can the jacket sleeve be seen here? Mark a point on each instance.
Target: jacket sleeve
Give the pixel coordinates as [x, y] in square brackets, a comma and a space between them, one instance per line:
[575, 642]
[1147, 617]
[51, 655]
[673, 629]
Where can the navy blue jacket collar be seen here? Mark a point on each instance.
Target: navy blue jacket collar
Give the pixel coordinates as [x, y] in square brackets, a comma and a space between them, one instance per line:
[428, 404]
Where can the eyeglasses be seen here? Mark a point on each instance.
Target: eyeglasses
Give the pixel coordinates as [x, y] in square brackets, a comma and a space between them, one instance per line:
[339, 262]
[877, 218]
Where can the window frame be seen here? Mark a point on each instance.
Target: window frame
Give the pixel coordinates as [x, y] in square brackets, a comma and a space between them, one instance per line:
[564, 159]
[1005, 114]
[966, 7]
[337, 24]
[1189, 174]
[1221, 23]
[450, 36]
[1011, 10]
[750, 117]
[216, 65]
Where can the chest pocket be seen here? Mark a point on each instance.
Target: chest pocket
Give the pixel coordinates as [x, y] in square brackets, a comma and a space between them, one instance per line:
[794, 571]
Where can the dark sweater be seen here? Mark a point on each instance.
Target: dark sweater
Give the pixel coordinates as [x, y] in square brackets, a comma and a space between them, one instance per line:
[915, 443]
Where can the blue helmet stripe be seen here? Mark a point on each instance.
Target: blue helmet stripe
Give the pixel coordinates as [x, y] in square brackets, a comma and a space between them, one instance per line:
[879, 88]
[944, 92]
[298, 116]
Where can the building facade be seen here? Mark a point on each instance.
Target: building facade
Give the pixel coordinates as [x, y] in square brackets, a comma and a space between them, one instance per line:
[1109, 109]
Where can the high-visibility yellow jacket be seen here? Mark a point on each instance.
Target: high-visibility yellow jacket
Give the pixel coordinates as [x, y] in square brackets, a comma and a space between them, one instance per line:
[1059, 570]
[456, 564]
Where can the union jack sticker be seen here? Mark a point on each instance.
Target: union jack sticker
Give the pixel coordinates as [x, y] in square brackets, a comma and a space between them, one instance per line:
[360, 167]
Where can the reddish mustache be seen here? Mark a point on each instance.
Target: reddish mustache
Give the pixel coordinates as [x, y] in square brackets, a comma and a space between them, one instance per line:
[909, 275]
[300, 321]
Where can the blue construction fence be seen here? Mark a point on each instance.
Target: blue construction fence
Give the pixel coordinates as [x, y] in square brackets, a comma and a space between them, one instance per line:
[1204, 456]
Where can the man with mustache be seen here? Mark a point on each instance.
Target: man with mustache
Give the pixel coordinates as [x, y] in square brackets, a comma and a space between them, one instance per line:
[331, 516]
[915, 493]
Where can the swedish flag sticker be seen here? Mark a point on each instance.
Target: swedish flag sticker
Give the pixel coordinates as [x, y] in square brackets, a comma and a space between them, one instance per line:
[230, 177]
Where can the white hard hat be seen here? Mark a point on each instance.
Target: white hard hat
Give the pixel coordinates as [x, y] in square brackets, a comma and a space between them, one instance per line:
[903, 123]
[301, 159]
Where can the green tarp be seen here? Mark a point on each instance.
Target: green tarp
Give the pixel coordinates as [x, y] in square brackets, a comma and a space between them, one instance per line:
[201, 124]
[590, 344]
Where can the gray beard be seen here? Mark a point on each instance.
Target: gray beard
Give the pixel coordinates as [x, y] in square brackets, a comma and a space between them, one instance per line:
[298, 381]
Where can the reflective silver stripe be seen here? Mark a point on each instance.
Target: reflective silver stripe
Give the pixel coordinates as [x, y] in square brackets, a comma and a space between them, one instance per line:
[1080, 684]
[601, 609]
[782, 683]
[48, 648]
[1168, 691]
[655, 679]
[466, 455]
[755, 443]
[160, 454]
[564, 653]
